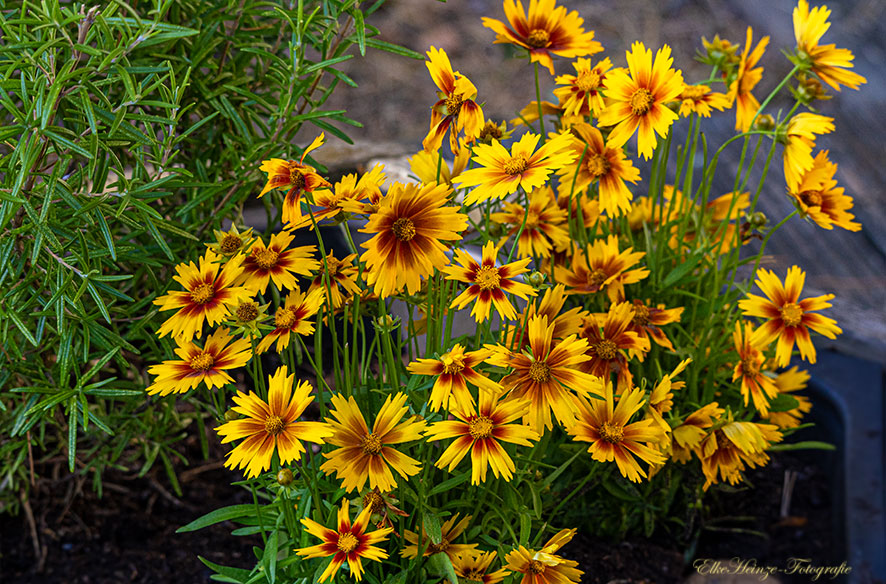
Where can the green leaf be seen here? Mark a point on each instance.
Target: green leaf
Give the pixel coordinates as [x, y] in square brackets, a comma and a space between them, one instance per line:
[808, 445]
[72, 436]
[17, 321]
[783, 402]
[432, 527]
[450, 484]
[441, 565]
[269, 557]
[553, 476]
[217, 516]
[681, 270]
[235, 574]
[392, 48]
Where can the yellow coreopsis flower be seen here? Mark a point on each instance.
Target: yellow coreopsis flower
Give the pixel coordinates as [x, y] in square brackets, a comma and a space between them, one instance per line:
[363, 455]
[430, 167]
[500, 173]
[603, 268]
[799, 139]
[488, 283]
[582, 93]
[755, 384]
[207, 364]
[409, 227]
[748, 76]
[449, 531]
[348, 542]
[601, 162]
[606, 427]
[788, 318]
[546, 30]
[826, 61]
[277, 263]
[699, 99]
[788, 382]
[456, 111]
[480, 431]
[638, 98]
[818, 197]
[271, 425]
[291, 318]
[453, 370]
[544, 566]
[208, 295]
[610, 341]
[727, 451]
[473, 566]
[296, 176]
[342, 275]
[544, 224]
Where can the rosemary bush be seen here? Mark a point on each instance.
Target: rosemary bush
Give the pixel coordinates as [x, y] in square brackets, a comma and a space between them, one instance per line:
[128, 131]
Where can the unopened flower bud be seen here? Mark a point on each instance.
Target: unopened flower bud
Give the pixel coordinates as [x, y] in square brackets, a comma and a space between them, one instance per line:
[536, 279]
[757, 220]
[386, 323]
[284, 477]
[231, 415]
[765, 123]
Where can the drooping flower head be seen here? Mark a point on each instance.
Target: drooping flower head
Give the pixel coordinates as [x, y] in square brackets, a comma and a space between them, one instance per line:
[347, 542]
[296, 176]
[826, 61]
[638, 98]
[601, 162]
[818, 197]
[582, 93]
[788, 382]
[544, 225]
[546, 374]
[292, 318]
[699, 99]
[799, 140]
[733, 447]
[606, 427]
[480, 431]
[453, 370]
[208, 364]
[488, 283]
[500, 173]
[271, 426]
[748, 76]
[330, 203]
[788, 318]
[411, 223]
[277, 263]
[208, 295]
[544, 566]
[456, 111]
[363, 455]
[546, 30]
[756, 386]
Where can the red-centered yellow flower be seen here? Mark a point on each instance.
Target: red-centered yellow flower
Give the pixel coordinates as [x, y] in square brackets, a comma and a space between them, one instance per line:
[456, 111]
[431, 167]
[207, 364]
[494, 131]
[604, 267]
[610, 341]
[480, 431]
[291, 318]
[488, 283]
[582, 93]
[544, 566]
[580, 208]
[788, 382]
[606, 427]
[341, 275]
[699, 99]
[544, 225]
[453, 370]
[473, 566]
[366, 455]
[277, 263]
[546, 30]
[271, 425]
[639, 99]
[755, 384]
[818, 197]
[411, 223]
[449, 531]
[799, 142]
[229, 243]
[646, 319]
[748, 76]
[347, 542]
[551, 305]
[725, 452]
[826, 61]
[603, 163]
[546, 374]
[298, 177]
[208, 295]
[788, 318]
[688, 435]
[501, 173]
[328, 204]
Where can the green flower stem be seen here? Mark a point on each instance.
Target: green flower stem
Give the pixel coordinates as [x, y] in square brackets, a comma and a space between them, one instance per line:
[541, 120]
[774, 92]
[522, 225]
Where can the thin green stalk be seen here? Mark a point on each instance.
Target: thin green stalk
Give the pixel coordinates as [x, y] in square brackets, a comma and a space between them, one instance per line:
[541, 120]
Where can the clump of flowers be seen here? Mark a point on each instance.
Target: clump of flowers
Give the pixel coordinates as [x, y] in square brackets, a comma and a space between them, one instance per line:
[612, 351]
